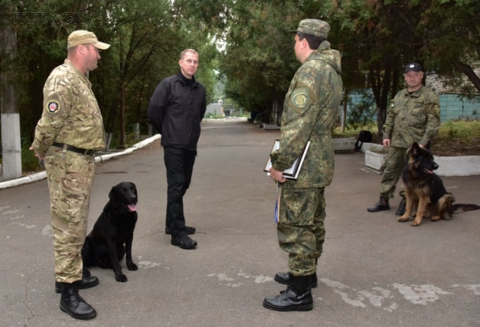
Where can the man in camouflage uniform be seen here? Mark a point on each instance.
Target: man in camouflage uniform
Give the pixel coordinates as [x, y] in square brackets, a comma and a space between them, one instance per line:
[66, 138]
[413, 116]
[310, 109]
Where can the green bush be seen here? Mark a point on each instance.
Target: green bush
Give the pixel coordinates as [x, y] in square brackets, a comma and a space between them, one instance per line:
[465, 129]
[210, 115]
[354, 131]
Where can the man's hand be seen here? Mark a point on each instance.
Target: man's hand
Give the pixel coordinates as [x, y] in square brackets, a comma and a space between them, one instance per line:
[36, 154]
[277, 175]
[386, 143]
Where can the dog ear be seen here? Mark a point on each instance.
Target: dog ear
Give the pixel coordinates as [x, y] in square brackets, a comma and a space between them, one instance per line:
[111, 193]
[415, 148]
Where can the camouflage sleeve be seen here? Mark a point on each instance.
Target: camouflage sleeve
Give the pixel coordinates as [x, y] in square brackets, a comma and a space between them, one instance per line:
[388, 126]
[297, 125]
[432, 110]
[56, 109]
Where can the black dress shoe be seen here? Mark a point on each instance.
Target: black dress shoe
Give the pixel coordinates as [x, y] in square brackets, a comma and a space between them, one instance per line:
[401, 208]
[184, 242]
[380, 205]
[190, 230]
[85, 282]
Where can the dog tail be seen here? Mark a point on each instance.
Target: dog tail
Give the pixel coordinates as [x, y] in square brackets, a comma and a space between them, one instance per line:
[462, 207]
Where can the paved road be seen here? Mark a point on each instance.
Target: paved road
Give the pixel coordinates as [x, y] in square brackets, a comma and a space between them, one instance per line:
[374, 270]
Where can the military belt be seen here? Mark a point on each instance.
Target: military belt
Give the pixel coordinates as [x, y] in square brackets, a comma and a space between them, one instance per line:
[74, 149]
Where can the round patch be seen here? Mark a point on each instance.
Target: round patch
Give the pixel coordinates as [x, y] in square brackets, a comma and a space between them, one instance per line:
[300, 97]
[53, 106]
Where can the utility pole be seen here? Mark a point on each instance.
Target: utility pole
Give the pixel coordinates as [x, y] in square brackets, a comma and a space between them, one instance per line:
[10, 118]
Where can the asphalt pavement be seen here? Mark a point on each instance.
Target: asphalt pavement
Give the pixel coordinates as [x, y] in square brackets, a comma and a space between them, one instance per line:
[374, 270]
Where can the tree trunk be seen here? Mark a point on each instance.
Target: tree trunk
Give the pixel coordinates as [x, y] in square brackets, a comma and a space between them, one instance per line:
[121, 143]
[345, 105]
[10, 118]
[384, 84]
[468, 71]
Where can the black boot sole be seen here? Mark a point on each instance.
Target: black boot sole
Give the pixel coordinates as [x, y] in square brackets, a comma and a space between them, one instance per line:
[377, 209]
[80, 317]
[302, 307]
[190, 230]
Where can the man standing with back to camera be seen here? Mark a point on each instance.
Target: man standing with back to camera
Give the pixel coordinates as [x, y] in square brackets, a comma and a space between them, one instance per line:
[310, 109]
[413, 116]
[176, 110]
[66, 137]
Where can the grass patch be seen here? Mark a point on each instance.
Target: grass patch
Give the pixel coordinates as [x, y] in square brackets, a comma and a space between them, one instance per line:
[458, 138]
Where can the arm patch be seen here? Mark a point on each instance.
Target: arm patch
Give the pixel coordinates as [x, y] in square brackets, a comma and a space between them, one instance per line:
[53, 106]
[300, 97]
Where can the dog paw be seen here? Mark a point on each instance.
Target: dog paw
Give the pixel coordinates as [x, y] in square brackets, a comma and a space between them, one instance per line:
[132, 266]
[435, 218]
[402, 219]
[121, 278]
[416, 223]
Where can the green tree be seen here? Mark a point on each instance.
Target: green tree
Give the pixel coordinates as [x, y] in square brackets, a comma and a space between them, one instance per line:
[451, 47]
[133, 27]
[259, 61]
[377, 39]
[146, 37]
[42, 29]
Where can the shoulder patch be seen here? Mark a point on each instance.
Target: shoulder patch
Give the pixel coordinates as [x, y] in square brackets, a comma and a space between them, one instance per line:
[300, 97]
[53, 106]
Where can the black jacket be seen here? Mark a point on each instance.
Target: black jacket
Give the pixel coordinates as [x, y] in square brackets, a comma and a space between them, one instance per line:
[176, 109]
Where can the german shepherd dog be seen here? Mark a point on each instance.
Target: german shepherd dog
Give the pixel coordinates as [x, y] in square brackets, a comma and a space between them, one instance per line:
[112, 235]
[425, 190]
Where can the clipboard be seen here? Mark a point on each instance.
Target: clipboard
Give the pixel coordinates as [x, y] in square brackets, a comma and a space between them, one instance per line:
[294, 170]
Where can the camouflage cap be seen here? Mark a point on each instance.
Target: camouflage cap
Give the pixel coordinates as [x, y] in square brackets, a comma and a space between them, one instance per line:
[85, 37]
[314, 27]
[413, 67]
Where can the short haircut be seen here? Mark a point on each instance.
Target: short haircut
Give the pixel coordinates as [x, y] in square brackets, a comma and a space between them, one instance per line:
[312, 40]
[182, 54]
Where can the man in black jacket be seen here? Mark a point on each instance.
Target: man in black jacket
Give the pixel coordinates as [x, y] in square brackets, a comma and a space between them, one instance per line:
[176, 109]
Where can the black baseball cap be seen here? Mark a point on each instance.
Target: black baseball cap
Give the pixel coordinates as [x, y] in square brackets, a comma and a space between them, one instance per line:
[413, 67]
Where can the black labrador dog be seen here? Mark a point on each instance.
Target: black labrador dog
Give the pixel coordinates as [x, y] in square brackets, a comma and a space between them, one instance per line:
[112, 235]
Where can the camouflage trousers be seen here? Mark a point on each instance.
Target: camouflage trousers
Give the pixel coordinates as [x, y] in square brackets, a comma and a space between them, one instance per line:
[300, 228]
[392, 170]
[70, 178]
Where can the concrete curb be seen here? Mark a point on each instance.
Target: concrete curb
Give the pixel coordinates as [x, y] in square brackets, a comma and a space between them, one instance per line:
[448, 166]
[104, 157]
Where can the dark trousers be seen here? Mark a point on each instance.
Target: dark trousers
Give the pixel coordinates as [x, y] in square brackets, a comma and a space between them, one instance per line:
[179, 164]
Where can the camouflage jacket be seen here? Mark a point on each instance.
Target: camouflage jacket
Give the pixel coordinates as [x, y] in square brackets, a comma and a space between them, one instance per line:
[309, 112]
[412, 118]
[70, 112]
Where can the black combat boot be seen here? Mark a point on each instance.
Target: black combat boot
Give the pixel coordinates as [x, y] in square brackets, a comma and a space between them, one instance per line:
[401, 207]
[284, 278]
[87, 281]
[74, 305]
[297, 296]
[380, 205]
